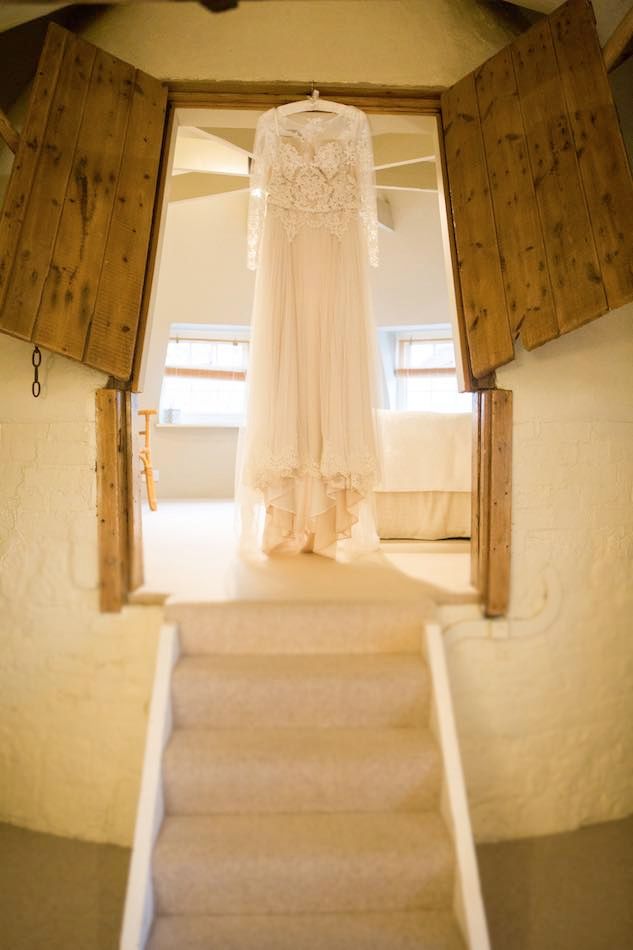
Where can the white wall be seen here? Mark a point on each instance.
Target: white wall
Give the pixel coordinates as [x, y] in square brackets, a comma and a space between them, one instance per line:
[74, 684]
[409, 286]
[545, 716]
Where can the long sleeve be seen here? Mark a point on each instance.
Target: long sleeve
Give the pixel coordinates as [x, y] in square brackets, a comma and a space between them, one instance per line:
[367, 185]
[258, 184]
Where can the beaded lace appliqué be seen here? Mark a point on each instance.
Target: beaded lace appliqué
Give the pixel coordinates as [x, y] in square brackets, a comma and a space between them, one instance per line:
[313, 184]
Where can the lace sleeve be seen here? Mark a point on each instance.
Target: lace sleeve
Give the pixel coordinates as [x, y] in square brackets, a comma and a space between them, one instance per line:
[258, 184]
[367, 176]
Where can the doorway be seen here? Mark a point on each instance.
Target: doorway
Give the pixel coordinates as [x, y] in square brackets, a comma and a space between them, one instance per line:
[196, 356]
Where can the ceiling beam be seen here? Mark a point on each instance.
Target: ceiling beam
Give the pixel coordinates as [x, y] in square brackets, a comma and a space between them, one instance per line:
[241, 138]
[8, 133]
[419, 176]
[212, 155]
[619, 46]
[400, 148]
[204, 185]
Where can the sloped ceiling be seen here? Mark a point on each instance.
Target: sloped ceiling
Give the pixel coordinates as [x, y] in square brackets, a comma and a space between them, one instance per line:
[13, 14]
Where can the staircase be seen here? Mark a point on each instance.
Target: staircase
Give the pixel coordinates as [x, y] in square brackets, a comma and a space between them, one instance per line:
[301, 784]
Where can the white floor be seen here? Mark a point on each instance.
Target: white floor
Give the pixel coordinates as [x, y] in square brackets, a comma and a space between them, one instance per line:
[190, 552]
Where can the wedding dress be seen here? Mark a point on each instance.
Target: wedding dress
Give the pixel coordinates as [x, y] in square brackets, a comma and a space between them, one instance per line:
[308, 451]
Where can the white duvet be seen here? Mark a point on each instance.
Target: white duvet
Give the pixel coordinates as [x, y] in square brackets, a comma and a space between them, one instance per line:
[425, 451]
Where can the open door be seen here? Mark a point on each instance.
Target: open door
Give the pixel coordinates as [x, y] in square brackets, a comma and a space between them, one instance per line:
[540, 188]
[76, 221]
[74, 238]
[541, 198]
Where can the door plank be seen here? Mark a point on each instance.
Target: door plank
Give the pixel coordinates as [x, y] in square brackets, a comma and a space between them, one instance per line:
[114, 326]
[523, 261]
[133, 489]
[46, 198]
[485, 455]
[475, 495]
[25, 164]
[500, 527]
[577, 286]
[487, 329]
[602, 158]
[71, 286]
[110, 516]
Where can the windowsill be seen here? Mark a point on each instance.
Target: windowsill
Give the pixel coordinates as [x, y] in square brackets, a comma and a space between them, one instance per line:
[198, 425]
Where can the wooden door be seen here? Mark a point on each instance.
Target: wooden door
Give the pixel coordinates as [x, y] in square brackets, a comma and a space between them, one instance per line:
[540, 188]
[75, 225]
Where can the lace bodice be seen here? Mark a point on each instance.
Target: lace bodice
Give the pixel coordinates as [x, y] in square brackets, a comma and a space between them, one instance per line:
[313, 170]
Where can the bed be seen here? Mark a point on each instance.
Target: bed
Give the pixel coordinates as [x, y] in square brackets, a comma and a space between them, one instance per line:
[424, 493]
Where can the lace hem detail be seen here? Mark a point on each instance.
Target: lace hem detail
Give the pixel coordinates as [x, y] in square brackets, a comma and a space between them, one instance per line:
[359, 472]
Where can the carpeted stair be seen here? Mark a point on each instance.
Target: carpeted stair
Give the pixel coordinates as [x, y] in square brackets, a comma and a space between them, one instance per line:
[302, 784]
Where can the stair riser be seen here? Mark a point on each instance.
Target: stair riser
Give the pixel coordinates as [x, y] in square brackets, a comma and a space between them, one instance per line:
[296, 887]
[207, 788]
[406, 931]
[260, 628]
[237, 705]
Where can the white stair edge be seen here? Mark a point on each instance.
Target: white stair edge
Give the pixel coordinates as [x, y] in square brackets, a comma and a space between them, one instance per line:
[138, 914]
[468, 903]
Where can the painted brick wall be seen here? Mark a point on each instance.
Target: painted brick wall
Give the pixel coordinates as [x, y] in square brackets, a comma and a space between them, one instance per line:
[544, 702]
[74, 684]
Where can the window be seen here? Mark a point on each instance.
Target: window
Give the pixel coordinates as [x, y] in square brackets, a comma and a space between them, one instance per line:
[204, 381]
[426, 377]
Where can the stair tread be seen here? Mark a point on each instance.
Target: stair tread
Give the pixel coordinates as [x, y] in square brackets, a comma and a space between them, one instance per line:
[411, 930]
[211, 771]
[302, 863]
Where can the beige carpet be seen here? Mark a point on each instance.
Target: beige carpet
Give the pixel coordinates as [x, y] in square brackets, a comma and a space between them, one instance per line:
[302, 784]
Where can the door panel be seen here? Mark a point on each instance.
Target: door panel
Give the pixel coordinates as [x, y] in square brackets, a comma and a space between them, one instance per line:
[75, 227]
[541, 189]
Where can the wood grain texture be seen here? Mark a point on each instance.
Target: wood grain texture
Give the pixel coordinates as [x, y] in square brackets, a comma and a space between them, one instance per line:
[112, 533]
[450, 254]
[26, 161]
[112, 336]
[7, 133]
[489, 339]
[604, 167]
[46, 198]
[155, 239]
[522, 252]
[475, 494]
[485, 456]
[500, 515]
[133, 491]
[576, 283]
[71, 286]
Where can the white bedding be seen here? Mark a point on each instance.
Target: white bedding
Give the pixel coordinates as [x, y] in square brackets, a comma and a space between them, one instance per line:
[425, 451]
[426, 483]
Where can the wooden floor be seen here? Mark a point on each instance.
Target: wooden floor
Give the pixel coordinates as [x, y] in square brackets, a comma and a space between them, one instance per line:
[563, 892]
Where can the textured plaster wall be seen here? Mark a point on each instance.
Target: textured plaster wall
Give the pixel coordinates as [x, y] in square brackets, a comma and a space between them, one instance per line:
[402, 42]
[74, 684]
[544, 701]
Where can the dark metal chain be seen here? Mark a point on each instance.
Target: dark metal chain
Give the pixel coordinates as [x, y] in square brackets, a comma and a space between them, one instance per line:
[36, 359]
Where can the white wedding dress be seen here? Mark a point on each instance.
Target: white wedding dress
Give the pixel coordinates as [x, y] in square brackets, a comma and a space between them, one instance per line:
[308, 451]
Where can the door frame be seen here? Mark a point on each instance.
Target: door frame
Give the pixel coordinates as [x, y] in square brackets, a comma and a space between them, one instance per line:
[374, 99]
